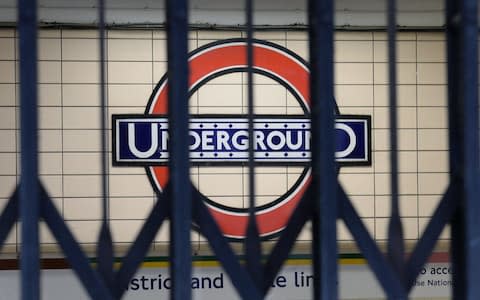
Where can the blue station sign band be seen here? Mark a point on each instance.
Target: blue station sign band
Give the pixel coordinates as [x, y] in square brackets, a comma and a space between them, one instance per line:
[143, 140]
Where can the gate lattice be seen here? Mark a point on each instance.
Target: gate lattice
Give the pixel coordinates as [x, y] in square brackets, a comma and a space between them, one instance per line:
[323, 203]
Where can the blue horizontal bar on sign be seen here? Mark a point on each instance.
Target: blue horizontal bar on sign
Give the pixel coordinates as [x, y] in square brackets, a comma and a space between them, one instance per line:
[278, 140]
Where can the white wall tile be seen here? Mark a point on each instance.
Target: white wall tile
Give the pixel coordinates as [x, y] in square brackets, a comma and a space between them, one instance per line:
[50, 95]
[130, 186]
[81, 163]
[129, 95]
[81, 140]
[85, 231]
[221, 184]
[52, 184]
[50, 163]
[49, 72]
[357, 184]
[405, 51]
[432, 139]
[407, 161]
[81, 117]
[130, 72]
[7, 164]
[427, 205]
[80, 49]
[8, 72]
[409, 225]
[354, 95]
[353, 51]
[432, 95]
[431, 51]
[49, 49]
[406, 117]
[408, 206]
[82, 208]
[432, 183]
[220, 95]
[50, 117]
[129, 50]
[353, 73]
[81, 94]
[7, 117]
[432, 117]
[431, 73]
[80, 72]
[49, 140]
[130, 208]
[82, 186]
[406, 73]
[433, 161]
[7, 49]
[407, 139]
[7, 95]
[406, 95]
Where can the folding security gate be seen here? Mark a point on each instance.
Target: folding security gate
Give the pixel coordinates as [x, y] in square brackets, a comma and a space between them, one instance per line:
[323, 203]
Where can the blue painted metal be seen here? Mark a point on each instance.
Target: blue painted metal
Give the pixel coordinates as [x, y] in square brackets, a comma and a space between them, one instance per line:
[453, 15]
[471, 174]
[326, 198]
[137, 252]
[105, 245]
[425, 245]
[180, 200]
[9, 216]
[462, 49]
[324, 246]
[385, 274]
[282, 248]
[396, 251]
[243, 282]
[253, 249]
[91, 280]
[29, 203]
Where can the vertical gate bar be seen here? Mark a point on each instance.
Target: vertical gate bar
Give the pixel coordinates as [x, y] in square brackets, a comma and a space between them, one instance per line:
[105, 244]
[463, 95]
[252, 241]
[324, 244]
[471, 154]
[395, 232]
[180, 200]
[29, 203]
[456, 138]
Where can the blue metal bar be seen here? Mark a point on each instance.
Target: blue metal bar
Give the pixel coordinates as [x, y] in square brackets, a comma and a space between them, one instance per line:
[423, 249]
[90, 279]
[181, 213]
[395, 247]
[253, 249]
[456, 143]
[134, 258]
[105, 244]
[246, 288]
[9, 217]
[29, 204]
[282, 248]
[320, 16]
[468, 268]
[385, 274]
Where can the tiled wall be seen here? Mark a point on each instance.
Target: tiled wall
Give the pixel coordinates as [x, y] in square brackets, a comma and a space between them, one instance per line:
[70, 136]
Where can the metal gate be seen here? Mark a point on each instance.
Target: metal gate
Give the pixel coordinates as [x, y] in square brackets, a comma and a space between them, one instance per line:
[324, 203]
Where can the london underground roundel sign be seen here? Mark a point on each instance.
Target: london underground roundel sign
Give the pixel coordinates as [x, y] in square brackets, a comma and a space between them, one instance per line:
[223, 139]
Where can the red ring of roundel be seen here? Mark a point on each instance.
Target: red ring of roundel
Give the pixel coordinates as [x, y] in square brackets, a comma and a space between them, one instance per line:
[229, 55]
